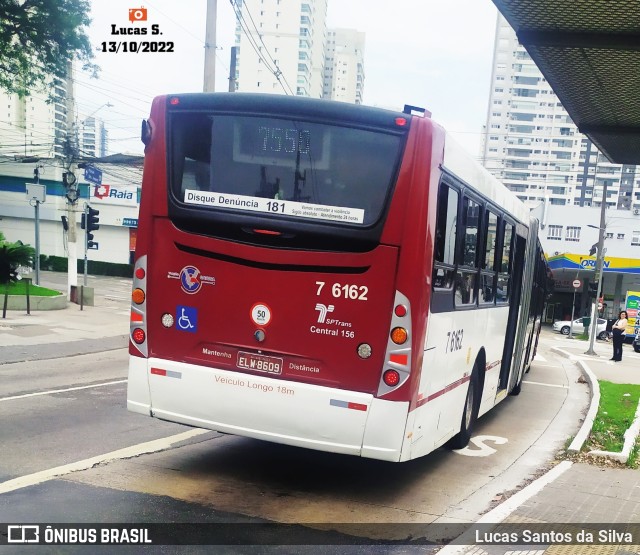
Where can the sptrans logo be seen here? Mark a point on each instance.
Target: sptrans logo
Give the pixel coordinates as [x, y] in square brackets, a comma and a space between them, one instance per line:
[323, 310]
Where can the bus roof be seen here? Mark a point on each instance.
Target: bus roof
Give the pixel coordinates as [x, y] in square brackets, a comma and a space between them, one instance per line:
[458, 162]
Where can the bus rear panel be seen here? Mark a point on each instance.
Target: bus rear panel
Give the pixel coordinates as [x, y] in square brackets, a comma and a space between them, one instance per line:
[291, 255]
[268, 293]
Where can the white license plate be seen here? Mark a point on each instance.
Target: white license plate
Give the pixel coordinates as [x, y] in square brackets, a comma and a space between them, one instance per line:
[259, 363]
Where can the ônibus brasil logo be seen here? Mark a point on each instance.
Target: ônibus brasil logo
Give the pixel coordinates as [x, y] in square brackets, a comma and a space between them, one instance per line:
[190, 279]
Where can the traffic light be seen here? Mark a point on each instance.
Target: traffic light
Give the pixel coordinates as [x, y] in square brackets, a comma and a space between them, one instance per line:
[91, 223]
[93, 220]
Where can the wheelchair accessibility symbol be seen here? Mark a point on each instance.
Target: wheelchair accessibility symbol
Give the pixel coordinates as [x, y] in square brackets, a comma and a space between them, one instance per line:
[187, 318]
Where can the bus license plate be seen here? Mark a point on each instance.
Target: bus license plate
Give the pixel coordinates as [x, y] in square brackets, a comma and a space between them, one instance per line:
[259, 363]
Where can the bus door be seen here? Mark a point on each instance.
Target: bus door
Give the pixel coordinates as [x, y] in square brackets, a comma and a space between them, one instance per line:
[515, 249]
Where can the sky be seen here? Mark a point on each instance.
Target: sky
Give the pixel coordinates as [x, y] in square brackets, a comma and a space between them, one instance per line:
[436, 54]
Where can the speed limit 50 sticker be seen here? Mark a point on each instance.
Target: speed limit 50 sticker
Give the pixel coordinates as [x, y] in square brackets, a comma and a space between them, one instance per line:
[260, 314]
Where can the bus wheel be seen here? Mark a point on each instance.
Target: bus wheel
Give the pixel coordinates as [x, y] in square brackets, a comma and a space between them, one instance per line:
[518, 387]
[469, 414]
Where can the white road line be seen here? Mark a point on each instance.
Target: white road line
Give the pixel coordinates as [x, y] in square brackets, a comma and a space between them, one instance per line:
[52, 391]
[537, 364]
[126, 453]
[502, 511]
[547, 384]
[540, 358]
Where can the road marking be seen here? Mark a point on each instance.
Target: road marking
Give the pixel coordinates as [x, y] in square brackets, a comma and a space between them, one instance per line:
[540, 358]
[483, 449]
[126, 453]
[547, 384]
[52, 391]
[537, 364]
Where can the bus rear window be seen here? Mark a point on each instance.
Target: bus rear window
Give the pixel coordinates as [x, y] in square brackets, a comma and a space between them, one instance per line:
[283, 168]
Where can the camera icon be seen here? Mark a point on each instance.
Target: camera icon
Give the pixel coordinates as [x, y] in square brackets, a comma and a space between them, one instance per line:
[137, 14]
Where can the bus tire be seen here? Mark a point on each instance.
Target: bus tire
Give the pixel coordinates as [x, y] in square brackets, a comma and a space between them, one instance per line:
[518, 387]
[469, 413]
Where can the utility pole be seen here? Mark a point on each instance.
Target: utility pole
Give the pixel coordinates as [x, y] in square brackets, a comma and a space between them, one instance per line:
[210, 47]
[36, 195]
[599, 271]
[71, 184]
[232, 69]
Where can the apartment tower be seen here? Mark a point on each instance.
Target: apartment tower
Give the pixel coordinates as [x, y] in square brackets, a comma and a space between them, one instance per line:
[281, 46]
[344, 66]
[533, 147]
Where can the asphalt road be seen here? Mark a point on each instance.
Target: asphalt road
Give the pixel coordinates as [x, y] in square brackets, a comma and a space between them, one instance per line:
[72, 453]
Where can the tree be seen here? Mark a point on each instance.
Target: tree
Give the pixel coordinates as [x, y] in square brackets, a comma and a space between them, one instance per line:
[38, 38]
[12, 257]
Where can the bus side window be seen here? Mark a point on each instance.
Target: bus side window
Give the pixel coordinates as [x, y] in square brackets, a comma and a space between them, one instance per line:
[445, 239]
[487, 286]
[504, 264]
[467, 275]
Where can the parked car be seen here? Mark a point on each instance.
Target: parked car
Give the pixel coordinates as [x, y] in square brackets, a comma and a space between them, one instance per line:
[636, 342]
[564, 326]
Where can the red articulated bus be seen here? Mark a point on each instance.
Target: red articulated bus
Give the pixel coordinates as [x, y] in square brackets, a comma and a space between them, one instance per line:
[326, 275]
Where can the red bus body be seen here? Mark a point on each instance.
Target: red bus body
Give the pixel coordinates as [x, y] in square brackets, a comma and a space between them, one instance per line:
[251, 339]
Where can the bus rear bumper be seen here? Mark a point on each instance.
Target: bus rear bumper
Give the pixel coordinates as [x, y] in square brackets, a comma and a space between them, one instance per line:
[280, 411]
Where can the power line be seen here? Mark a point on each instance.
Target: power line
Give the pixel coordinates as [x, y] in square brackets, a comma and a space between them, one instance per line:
[277, 72]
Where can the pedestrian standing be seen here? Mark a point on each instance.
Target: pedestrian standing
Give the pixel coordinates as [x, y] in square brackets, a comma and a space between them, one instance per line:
[619, 327]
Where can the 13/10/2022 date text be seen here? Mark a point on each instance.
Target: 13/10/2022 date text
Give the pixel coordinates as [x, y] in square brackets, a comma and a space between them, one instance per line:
[132, 46]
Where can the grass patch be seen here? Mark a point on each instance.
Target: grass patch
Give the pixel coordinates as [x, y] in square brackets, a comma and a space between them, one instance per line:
[20, 288]
[618, 405]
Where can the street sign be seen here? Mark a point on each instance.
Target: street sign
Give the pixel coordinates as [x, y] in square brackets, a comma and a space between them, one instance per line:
[576, 283]
[93, 175]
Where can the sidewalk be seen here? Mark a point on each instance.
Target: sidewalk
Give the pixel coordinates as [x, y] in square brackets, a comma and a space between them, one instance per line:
[594, 498]
[71, 331]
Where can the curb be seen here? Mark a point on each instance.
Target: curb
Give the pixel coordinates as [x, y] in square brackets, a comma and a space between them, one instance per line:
[587, 424]
[19, 302]
[462, 543]
[629, 441]
[630, 435]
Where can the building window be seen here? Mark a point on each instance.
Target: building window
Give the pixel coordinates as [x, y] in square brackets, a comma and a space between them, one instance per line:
[620, 235]
[573, 233]
[555, 232]
[635, 240]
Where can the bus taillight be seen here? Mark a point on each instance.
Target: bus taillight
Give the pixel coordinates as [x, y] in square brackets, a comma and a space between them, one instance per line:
[391, 378]
[399, 336]
[138, 322]
[137, 296]
[397, 358]
[138, 336]
[400, 310]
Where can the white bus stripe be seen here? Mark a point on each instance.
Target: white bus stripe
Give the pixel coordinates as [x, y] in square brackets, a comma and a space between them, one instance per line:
[547, 384]
[52, 391]
[126, 453]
